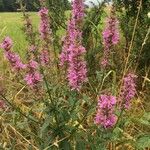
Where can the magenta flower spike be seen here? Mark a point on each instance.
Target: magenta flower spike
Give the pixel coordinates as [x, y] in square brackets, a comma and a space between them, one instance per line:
[110, 38]
[105, 116]
[45, 33]
[12, 57]
[33, 77]
[73, 52]
[44, 57]
[44, 28]
[128, 90]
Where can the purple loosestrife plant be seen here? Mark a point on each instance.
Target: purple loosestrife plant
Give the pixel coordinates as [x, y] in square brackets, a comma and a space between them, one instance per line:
[44, 28]
[78, 10]
[73, 51]
[128, 90]
[73, 29]
[33, 77]
[7, 44]
[44, 57]
[105, 116]
[77, 67]
[13, 58]
[110, 37]
[67, 40]
[65, 53]
[45, 33]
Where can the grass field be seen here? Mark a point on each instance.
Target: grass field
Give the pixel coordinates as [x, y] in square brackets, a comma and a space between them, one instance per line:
[11, 25]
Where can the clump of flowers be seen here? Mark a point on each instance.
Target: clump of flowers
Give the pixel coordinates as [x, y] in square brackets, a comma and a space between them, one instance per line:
[44, 28]
[67, 40]
[105, 116]
[128, 90]
[12, 57]
[45, 33]
[110, 37]
[7, 44]
[44, 57]
[77, 68]
[78, 10]
[33, 77]
[73, 51]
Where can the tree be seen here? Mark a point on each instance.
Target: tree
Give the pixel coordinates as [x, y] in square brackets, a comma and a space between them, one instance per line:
[32, 5]
[10, 5]
[1, 5]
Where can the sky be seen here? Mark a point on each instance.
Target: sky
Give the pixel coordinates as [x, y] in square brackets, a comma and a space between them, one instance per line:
[88, 1]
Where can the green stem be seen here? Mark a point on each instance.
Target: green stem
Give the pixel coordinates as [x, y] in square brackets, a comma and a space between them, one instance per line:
[18, 109]
[50, 97]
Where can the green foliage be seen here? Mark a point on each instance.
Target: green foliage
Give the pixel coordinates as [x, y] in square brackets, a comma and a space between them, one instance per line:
[12, 5]
[143, 142]
[1, 5]
[127, 11]
[9, 5]
[92, 38]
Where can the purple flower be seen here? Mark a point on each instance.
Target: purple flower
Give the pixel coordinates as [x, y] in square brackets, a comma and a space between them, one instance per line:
[105, 111]
[78, 10]
[33, 78]
[104, 62]
[67, 40]
[7, 44]
[13, 58]
[129, 89]
[77, 67]
[44, 57]
[110, 37]
[44, 28]
[32, 64]
[43, 12]
[73, 52]
[111, 33]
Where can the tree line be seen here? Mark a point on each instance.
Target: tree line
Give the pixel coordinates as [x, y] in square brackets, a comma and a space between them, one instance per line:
[31, 5]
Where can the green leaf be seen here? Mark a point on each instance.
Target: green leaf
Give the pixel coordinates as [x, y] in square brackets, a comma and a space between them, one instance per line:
[117, 134]
[65, 145]
[145, 120]
[44, 127]
[80, 145]
[143, 142]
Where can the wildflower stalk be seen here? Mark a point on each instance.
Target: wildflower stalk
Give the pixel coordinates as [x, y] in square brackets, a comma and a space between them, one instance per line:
[73, 52]
[131, 45]
[49, 93]
[105, 115]
[110, 38]
[126, 63]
